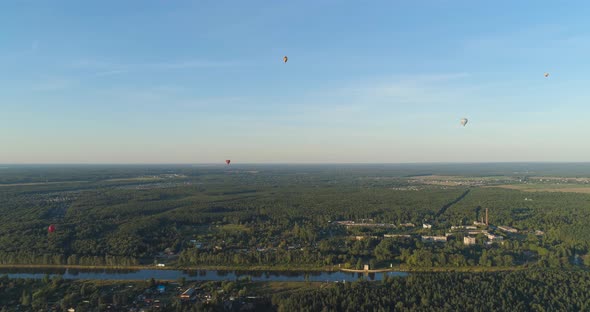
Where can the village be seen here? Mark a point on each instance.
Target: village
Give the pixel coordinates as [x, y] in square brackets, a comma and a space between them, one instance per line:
[480, 231]
[166, 295]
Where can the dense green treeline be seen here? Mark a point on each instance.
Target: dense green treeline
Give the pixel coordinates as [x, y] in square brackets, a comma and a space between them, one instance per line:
[514, 291]
[42, 173]
[527, 290]
[141, 223]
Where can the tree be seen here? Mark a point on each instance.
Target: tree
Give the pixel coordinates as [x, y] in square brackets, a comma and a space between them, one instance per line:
[383, 251]
[46, 279]
[25, 298]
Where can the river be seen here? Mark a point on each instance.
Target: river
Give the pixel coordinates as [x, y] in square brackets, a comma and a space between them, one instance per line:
[200, 275]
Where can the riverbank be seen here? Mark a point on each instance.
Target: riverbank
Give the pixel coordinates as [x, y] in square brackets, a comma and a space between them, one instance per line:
[264, 268]
[184, 268]
[367, 271]
[197, 275]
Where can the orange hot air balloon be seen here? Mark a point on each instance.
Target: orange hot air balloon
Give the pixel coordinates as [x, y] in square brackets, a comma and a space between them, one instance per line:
[227, 161]
[285, 59]
[51, 228]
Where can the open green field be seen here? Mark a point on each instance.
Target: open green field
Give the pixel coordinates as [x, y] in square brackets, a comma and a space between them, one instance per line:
[568, 188]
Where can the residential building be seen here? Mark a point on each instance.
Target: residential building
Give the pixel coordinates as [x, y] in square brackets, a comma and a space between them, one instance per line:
[468, 240]
[463, 227]
[507, 229]
[397, 236]
[493, 237]
[434, 239]
[187, 294]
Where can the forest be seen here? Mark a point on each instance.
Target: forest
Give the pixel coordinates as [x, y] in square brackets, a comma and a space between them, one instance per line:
[515, 291]
[291, 216]
[526, 290]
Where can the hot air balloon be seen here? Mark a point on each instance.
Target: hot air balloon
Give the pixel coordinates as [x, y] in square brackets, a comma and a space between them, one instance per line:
[546, 75]
[227, 161]
[51, 228]
[285, 59]
[464, 121]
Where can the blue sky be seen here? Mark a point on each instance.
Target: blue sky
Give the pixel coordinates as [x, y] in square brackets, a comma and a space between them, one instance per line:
[381, 81]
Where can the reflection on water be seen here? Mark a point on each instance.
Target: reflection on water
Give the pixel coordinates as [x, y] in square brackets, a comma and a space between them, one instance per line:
[198, 275]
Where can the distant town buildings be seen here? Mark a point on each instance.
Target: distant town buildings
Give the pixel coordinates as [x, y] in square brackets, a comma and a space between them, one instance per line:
[187, 294]
[397, 236]
[434, 239]
[507, 229]
[493, 237]
[463, 227]
[468, 240]
[363, 222]
[468, 232]
[358, 237]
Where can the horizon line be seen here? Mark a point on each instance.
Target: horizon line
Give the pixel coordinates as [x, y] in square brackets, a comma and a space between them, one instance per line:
[296, 163]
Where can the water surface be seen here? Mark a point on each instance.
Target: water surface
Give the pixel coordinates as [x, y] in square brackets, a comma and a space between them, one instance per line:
[200, 275]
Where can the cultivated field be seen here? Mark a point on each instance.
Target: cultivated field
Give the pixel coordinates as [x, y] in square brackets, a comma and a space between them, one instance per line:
[566, 188]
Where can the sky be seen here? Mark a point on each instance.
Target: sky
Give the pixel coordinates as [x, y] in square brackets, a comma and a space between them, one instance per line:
[142, 81]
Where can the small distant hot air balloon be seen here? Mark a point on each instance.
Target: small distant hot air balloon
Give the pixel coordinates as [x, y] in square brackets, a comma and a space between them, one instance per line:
[51, 228]
[464, 121]
[227, 161]
[285, 59]
[546, 75]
